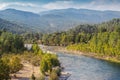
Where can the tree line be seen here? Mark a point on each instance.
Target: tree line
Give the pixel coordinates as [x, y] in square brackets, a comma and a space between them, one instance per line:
[106, 42]
[103, 39]
[10, 43]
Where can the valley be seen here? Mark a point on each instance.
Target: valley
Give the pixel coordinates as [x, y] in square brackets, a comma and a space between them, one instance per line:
[59, 39]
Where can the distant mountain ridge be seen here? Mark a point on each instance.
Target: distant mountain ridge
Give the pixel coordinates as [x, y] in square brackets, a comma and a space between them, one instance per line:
[57, 20]
[12, 27]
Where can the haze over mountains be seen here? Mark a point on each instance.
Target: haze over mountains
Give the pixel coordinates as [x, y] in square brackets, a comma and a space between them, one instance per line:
[12, 27]
[56, 20]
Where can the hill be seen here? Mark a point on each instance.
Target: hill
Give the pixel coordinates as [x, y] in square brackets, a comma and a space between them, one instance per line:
[12, 27]
[57, 20]
[84, 33]
[100, 41]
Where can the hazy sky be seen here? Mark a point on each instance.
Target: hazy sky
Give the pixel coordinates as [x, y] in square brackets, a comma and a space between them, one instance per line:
[43, 5]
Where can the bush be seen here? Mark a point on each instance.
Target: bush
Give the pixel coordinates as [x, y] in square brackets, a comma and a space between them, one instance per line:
[48, 62]
[4, 71]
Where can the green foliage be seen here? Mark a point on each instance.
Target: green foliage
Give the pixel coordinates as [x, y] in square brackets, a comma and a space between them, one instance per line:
[106, 42]
[4, 71]
[48, 62]
[32, 37]
[11, 43]
[81, 33]
[35, 48]
[9, 64]
[102, 39]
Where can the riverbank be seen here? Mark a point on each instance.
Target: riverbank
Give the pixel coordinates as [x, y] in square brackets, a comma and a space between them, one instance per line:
[26, 72]
[89, 54]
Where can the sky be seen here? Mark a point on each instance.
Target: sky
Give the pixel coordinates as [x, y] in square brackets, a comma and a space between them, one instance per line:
[45, 5]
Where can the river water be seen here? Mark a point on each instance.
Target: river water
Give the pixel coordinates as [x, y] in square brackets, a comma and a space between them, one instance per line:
[87, 68]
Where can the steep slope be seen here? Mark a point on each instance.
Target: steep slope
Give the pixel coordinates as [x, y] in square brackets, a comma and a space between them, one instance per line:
[19, 16]
[12, 27]
[28, 19]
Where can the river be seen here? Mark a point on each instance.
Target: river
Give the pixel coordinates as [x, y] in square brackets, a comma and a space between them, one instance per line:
[87, 68]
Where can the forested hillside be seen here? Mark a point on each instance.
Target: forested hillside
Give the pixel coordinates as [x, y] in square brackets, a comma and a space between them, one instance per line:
[57, 20]
[106, 42]
[103, 39]
[13, 27]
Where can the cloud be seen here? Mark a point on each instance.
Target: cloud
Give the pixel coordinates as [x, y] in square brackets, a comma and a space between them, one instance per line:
[39, 6]
[10, 4]
[94, 4]
[104, 5]
[59, 5]
[3, 5]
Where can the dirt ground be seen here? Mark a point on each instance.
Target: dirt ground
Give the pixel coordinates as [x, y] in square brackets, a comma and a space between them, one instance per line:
[26, 72]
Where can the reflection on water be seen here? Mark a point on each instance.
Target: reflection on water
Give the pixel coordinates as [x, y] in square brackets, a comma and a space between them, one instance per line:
[86, 68]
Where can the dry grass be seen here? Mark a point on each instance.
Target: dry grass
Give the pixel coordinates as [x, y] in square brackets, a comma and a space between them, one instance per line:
[26, 72]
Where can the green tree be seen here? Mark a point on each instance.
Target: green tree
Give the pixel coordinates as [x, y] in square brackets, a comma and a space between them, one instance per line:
[48, 62]
[35, 48]
[4, 71]
[11, 43]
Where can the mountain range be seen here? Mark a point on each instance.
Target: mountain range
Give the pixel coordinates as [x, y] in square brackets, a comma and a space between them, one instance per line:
[56, 20]
[12, 27]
